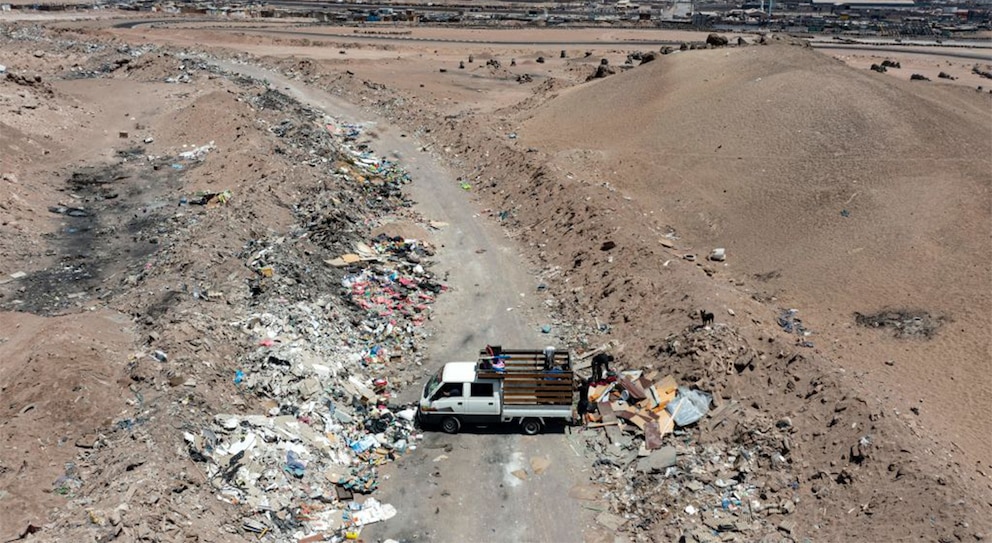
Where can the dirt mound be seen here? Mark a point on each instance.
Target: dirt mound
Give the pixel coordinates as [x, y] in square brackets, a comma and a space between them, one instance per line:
[848, 192]
[59, 396]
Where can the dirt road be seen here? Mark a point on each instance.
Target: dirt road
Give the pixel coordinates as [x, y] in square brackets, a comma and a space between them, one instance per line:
[468, 493]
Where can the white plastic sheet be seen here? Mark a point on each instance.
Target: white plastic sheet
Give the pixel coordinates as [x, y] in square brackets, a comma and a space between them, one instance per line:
[689, 406]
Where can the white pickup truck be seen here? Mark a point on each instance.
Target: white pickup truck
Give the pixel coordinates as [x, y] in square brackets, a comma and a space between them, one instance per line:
[525, 387]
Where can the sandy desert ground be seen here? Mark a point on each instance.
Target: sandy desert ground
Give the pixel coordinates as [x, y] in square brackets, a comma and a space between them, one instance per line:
[858, 200]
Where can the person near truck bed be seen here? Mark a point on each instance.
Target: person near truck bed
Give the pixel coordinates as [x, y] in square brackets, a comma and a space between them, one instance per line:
[600, 362]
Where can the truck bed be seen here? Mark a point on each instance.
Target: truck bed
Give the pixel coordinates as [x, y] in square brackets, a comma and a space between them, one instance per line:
[526, 383]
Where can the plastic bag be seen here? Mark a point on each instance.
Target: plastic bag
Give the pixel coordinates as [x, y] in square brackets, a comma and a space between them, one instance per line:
[689, 406]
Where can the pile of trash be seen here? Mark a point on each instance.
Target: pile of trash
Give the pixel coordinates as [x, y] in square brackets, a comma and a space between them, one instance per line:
[633, 401]
[297, 468]
[330, 343]
[325, 385]
[398, 290]
[681, 467]
[741, 489]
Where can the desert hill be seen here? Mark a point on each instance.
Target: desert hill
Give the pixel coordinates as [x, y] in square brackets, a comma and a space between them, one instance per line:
[835, 191]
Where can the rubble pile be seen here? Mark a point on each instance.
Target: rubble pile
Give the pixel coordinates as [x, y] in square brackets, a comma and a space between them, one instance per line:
[737, 489]
[675, 467]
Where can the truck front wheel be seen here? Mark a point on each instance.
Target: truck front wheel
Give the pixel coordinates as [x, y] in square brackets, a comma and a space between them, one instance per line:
[531, 427]
[450, 425]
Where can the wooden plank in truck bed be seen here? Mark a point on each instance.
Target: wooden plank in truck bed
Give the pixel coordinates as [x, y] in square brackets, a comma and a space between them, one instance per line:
[546, 377]
[535, 375]
[564, 399]
[525, 379]
[516, 402]
[520, 357]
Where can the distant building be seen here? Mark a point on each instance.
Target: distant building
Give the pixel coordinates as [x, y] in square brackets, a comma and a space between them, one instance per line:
[863, 4]
[624, 6]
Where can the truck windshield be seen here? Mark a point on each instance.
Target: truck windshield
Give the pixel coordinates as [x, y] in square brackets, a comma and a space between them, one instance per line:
[433, 382]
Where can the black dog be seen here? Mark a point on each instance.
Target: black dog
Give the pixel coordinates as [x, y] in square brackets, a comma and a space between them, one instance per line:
[706, 317]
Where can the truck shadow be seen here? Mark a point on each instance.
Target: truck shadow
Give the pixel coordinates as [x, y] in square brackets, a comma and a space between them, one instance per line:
[496, 429]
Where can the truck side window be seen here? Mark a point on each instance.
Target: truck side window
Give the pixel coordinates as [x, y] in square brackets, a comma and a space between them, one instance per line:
[481, 390]
[449, 390]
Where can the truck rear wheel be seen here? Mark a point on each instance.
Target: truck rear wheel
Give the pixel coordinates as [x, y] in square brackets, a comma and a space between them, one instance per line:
[450, 425]
[531, 427]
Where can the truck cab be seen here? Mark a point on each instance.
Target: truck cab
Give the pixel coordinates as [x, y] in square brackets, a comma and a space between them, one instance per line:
[524, 389]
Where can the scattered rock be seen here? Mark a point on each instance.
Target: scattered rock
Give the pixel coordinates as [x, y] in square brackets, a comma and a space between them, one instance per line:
[657, 461]
[602, 71]
[610, 521]
[716, 40]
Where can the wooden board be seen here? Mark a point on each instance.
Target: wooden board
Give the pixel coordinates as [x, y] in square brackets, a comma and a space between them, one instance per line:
[601, 424]
[663, 392]
[611, 420]
[634, 390]
[537, 386]
[652, 436]
[544, 395]
[665, 423]
[529, 374]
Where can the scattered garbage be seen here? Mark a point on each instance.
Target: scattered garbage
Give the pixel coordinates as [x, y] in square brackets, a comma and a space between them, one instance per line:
[330, 423]
[197, 153]
[903, 323]
[69, 482]
[210, 198]
[789, 321]
[718, 255]
[77, 212]
[663, 453]
[294, 465]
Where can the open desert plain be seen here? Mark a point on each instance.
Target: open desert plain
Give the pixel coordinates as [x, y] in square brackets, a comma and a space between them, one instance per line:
[234, 249]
